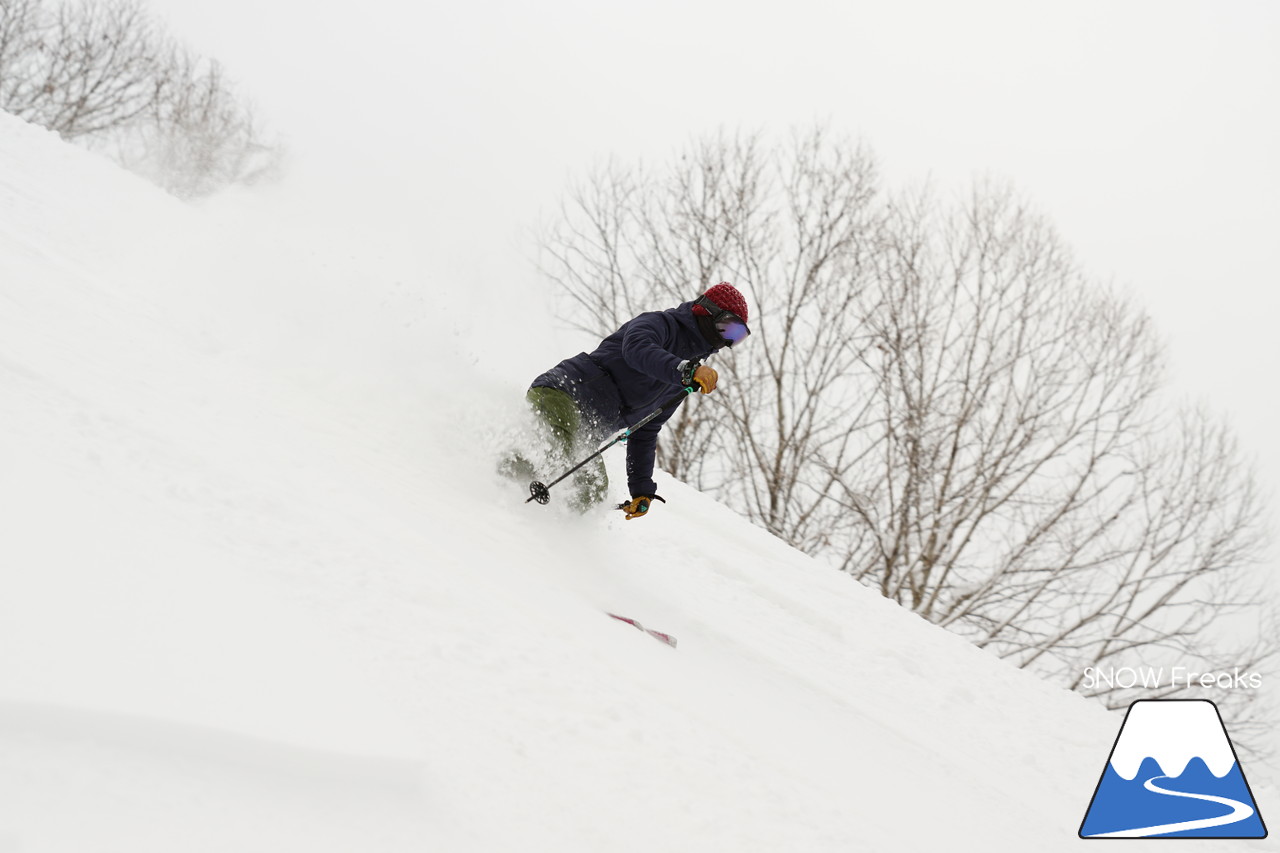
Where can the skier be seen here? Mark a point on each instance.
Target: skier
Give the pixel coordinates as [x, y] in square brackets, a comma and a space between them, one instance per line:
[586, 397]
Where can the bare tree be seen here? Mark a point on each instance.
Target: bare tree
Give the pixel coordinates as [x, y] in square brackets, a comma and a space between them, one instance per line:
[85, 68]
[935, 399]
[198, 135]
[1027, 485]
[100, 72]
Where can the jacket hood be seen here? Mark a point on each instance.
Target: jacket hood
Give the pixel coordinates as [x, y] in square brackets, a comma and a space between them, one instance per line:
[684, 313]
[701, 326]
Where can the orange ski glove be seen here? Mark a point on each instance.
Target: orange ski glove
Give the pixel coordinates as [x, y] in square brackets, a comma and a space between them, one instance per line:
[638, 506]
[705, 378]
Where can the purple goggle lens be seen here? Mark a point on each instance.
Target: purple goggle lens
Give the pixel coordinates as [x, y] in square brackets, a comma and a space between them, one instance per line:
[733, 330]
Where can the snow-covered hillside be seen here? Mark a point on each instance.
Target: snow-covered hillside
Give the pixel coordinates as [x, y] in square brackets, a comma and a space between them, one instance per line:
[261, 591]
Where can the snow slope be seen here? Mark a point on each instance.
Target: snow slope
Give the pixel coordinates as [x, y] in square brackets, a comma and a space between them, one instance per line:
[262, 591]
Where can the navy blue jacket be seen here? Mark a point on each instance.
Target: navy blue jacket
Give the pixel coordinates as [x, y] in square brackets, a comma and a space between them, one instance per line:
[627, 377]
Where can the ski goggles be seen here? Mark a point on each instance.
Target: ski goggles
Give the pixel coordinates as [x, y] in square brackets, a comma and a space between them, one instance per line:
[730, 326]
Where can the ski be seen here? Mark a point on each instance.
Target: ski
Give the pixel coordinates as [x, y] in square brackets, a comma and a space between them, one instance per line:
[657, 635]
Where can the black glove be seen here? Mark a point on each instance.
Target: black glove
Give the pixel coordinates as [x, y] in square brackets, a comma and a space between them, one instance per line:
[638, 506]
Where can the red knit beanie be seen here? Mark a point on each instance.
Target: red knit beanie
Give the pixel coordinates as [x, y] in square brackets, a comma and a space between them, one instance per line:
[727, 297]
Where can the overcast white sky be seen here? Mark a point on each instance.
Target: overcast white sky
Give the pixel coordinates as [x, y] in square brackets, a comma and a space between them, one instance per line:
[1149, 132]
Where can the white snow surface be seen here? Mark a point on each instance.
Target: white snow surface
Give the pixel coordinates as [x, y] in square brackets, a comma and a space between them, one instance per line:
[1172, 733]
[260, 589]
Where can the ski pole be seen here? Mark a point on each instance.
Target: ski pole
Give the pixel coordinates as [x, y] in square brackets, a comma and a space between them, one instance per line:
[542, 493]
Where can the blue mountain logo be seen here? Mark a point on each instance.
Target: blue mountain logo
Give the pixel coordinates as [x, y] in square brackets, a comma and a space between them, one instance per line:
[1173, 773]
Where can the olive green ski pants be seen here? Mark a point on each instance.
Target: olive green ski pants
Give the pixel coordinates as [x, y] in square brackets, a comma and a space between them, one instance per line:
[560, 417]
